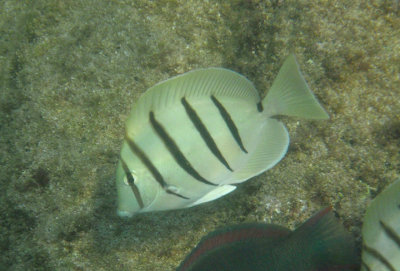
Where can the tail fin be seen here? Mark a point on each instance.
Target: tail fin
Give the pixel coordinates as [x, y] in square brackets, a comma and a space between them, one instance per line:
[291, 96]
[331, 247]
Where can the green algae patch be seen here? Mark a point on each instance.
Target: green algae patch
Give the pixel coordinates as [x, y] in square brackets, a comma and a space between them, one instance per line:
[70, 72]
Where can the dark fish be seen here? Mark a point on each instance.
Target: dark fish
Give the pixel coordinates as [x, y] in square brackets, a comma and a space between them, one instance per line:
[321, 243]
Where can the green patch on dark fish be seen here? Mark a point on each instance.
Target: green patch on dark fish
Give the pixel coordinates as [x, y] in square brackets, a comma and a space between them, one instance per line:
[190, 138]
[321, 243]
[381, 231]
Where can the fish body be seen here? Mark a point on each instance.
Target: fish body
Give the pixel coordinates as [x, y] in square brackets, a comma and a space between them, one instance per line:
[321, 243]
[381, 231]
[190, 138]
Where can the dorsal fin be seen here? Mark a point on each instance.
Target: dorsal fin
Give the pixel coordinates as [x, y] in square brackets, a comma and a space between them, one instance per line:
[219, 82]
[326, 241]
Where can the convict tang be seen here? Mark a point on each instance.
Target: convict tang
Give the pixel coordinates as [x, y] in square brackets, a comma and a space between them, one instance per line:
[190, 138]
[381, 231]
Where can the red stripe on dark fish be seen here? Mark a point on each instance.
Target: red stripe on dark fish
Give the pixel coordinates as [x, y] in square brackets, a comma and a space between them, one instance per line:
[234, 234]
[315, 218]
[319, 244]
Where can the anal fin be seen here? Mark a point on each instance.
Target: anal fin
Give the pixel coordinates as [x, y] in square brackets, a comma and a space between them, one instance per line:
[272, 147]
[214, 194]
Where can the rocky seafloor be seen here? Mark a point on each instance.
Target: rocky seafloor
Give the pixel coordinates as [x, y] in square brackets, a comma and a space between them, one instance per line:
[70, 71]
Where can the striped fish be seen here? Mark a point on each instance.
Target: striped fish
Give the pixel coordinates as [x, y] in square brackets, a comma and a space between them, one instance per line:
[381, 232]
[189, 138]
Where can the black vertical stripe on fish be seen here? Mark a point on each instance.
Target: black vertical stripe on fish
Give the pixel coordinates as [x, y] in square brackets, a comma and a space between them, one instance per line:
[260, 108]
[204, 132]
[175, 151]
[391, 233]
[377, 255]
[229, 122]
[131, 182]
[149, 165]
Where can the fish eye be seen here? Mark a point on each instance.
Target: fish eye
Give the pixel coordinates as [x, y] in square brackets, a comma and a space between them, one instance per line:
[130, 178]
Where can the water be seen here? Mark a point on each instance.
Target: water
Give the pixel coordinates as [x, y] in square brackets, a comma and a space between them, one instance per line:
[71, 70]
